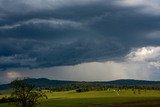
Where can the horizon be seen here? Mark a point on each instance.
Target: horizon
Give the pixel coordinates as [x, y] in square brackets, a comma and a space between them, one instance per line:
[78, 81]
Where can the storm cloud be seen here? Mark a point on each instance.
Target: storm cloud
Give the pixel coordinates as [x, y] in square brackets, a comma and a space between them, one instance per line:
[40, 34]
[142, 64]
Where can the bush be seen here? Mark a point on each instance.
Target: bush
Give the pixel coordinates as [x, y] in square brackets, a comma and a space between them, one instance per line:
[82, 90]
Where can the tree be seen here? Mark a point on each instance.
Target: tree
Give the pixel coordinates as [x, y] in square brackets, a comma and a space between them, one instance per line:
[25, 94]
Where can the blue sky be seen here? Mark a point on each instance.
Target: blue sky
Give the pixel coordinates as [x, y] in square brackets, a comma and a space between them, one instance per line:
[88, 40]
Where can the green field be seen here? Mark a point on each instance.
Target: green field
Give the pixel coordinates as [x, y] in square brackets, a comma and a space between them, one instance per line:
[123, 98]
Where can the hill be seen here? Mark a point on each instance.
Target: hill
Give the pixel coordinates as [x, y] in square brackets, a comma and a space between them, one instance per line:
[43, 82]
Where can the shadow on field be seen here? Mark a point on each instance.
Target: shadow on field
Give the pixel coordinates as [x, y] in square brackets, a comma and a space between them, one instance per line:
[154, 103]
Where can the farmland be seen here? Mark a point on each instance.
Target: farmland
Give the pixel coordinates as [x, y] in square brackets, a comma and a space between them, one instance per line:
[108, 98]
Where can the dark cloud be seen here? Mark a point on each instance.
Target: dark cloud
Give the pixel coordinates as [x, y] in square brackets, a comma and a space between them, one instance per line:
[67, 33]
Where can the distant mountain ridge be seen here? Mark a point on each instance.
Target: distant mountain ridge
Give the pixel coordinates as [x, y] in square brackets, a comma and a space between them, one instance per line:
[132, 82]
[43, 82]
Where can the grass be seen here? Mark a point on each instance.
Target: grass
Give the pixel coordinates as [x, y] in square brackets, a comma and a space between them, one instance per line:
[126, 98]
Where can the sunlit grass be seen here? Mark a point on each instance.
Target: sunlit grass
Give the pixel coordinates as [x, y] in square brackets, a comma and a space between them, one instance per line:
[94, 98]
